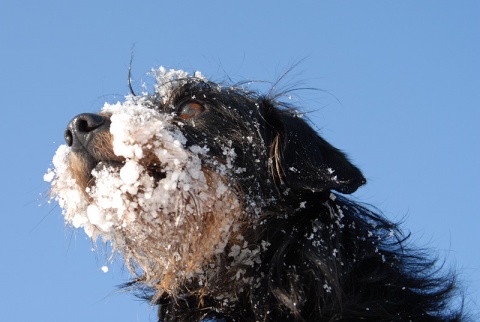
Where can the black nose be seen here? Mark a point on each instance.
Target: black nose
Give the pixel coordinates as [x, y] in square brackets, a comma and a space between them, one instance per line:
[82, 127]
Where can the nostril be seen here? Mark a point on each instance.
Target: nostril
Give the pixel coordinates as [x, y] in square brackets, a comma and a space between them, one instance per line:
[87, 122]
[68, 137]
[88, 125]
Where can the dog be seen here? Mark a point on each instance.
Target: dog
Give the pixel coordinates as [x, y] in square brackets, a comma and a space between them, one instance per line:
[228, 206]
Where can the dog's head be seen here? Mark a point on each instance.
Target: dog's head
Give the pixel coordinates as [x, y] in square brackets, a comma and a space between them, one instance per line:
[177, 180]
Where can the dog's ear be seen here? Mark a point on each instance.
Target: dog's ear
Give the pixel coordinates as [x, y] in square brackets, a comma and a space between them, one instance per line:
[304, 161]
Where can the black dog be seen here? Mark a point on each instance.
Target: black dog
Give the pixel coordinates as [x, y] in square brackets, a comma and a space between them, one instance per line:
[229, 207]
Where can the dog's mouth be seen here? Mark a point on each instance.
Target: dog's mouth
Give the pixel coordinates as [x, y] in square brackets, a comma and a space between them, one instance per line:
[109, 163]
[154, 170]
[102, 165]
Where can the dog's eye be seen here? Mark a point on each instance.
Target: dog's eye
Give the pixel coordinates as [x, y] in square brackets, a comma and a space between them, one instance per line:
[190, 110]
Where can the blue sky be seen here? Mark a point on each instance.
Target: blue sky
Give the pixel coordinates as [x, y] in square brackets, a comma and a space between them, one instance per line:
[401, 83]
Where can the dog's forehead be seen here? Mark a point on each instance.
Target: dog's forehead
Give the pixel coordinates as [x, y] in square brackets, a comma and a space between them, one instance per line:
[170, 81]
[173, 87]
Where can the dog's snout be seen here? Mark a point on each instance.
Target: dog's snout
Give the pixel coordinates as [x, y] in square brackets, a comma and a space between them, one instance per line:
[80, 129]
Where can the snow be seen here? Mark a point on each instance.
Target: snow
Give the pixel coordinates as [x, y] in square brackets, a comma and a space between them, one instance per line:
[48, 177]
[128, 206]
[130, 172]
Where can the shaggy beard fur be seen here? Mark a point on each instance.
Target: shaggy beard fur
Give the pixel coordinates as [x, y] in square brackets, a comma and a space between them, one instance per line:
[299, 251]
[331, 261]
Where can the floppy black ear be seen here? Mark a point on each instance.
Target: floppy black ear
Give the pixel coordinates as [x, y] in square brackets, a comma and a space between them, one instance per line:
[305, 161]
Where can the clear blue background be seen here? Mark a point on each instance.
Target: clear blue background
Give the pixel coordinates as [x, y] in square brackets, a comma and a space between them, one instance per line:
[402, 97]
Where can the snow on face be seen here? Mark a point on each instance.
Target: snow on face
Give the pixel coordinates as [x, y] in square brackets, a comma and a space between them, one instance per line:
[151, 220]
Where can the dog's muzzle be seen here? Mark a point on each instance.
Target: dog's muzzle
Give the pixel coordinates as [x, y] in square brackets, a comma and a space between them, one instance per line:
[82, 129]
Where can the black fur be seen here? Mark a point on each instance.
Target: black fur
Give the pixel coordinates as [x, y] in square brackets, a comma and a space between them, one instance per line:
[329, 258]
[318, 255]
